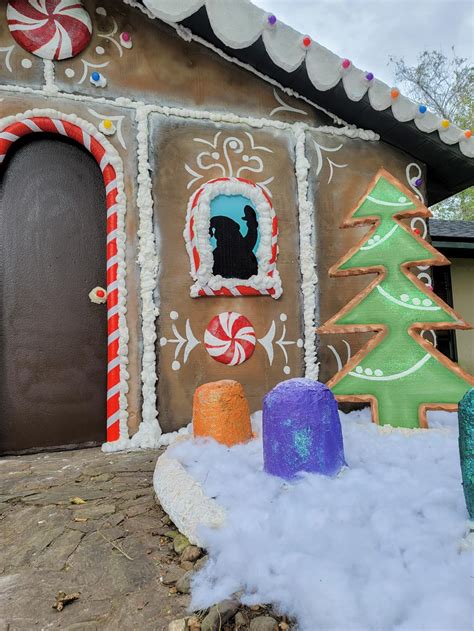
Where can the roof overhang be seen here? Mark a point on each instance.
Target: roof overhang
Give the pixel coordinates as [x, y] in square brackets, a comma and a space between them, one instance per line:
[239, 29]
[453, 238]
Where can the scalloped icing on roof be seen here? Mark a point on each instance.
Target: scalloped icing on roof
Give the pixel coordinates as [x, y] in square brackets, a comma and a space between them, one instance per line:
[324, 68]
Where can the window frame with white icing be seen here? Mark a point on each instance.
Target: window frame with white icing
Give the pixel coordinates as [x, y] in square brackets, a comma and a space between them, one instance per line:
[267, 281]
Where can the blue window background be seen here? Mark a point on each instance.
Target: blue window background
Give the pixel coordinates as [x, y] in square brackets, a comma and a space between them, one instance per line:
[232, 206]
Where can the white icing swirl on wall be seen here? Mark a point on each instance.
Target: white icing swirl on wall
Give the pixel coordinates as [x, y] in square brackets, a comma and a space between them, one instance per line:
[187, 343]
[284, 107]
[414, 172]
[267, 342]
[8, 54]
[231, 156]
[332, 165]
[118, 120]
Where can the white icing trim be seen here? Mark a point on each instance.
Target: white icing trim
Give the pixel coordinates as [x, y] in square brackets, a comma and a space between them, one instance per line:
[149, 431]
[204, 277]
[239, 23]
[114, 159]
[49, 79]
[182, 112]
[307, 260]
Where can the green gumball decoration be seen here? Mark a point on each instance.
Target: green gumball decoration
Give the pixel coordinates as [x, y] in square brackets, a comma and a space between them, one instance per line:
[466, 448]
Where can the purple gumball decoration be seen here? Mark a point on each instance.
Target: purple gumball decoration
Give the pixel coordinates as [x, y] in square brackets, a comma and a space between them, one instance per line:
[301, 430]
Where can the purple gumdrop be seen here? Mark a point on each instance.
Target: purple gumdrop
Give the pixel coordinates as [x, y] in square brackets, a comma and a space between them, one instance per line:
[272, 19]
[301, 430]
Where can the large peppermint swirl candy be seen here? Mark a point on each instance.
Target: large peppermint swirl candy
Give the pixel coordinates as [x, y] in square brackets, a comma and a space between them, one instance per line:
[51, 29]
[230, 338]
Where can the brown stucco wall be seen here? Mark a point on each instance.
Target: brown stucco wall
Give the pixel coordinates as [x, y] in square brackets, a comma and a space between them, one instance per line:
[175, 144]
[164, 71]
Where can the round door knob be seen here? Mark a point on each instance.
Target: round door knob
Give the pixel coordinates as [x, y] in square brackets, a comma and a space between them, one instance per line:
[98, 295]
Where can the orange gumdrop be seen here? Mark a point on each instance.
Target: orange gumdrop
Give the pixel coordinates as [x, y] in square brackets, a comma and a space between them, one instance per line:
[221, 411]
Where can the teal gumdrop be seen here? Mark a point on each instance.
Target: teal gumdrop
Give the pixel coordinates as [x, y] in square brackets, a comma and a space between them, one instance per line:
[466, 447]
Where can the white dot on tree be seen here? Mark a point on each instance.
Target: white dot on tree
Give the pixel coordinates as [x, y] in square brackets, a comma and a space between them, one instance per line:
[404, 297]
[416, 301]
[368, 371]
[378, 372]
[427, 302]
[359, 370]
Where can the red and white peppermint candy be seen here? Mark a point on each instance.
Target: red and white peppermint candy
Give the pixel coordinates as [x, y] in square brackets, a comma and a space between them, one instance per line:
[230, 338]
[51, 29]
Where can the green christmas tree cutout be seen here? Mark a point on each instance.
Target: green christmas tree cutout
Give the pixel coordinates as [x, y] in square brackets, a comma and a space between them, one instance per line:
[399, 372]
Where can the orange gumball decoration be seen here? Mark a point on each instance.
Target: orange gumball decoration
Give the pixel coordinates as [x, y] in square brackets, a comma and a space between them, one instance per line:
[395, 93]
[221, 411]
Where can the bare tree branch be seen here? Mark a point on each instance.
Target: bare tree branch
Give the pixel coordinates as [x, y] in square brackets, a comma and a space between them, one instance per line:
[445, 83]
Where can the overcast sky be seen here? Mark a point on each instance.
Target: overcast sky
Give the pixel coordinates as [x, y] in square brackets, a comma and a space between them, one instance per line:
[369, 31]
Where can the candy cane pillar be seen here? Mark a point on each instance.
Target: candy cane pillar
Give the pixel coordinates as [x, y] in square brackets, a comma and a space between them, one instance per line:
[21, 128]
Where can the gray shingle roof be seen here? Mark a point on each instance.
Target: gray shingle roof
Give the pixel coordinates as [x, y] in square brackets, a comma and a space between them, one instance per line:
[463, 230]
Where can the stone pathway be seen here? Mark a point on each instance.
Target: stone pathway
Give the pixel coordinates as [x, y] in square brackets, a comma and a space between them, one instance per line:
[106, 548]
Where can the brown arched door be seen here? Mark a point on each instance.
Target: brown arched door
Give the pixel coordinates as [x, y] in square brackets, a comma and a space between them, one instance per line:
[53, 344]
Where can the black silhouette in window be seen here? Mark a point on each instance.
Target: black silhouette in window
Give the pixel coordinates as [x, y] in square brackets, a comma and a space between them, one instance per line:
[233, 254]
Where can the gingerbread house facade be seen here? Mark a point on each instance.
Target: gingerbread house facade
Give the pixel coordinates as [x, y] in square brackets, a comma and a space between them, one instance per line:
[173, 179]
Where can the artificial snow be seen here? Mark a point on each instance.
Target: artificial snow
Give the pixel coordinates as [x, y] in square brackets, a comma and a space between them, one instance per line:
[377, 548]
